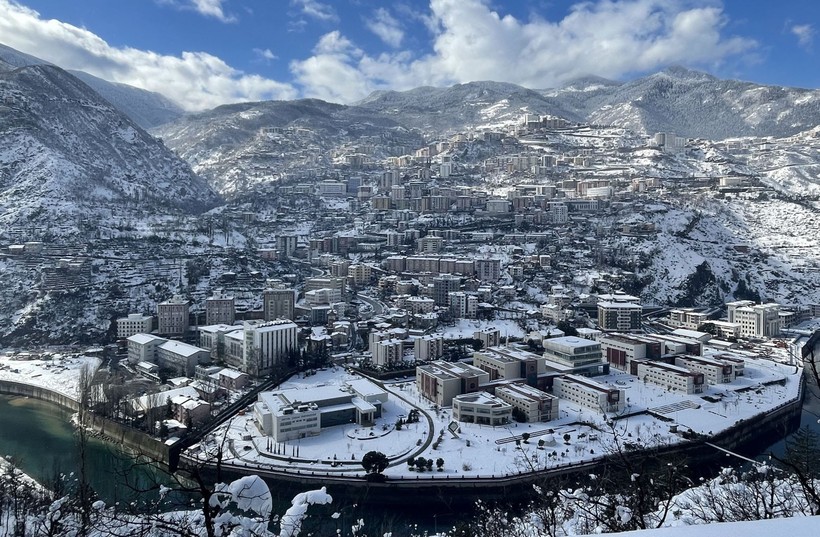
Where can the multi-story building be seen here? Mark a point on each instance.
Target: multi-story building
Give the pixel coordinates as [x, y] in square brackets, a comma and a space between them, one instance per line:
[463, 305]
[299, 413]
[589, 393]
[620, 316]
[443, 285]
[220, 309]
[265, 345]
[687, 318]
[143, 348]
[509, 363]
[181, 357]
[620, 350]
[755, 320]
[429, 244]
[278, 303]
[720, 370]
[386, 351]
[673, 378]
[482, 408]
[212, 338]
[570, 354]
[533, 404]
[489, 337]
[359, 274]
[173, 317]
[441, 381]
[488, 270]
[135, 323]
[429, 347]
[312, 284]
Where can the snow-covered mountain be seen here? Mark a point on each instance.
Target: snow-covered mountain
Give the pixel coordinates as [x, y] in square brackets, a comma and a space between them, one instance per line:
[146, 108]
[241, 147]
[67, 153]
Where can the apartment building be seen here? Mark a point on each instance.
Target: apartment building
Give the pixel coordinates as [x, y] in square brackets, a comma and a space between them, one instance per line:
[534, 404]
[387, 351]
[220, 309]
[589, 393]
[619, 316]
[266, 344]
[463, 305]
[173, 317]
[135, 323]
[488, 270]
[428, 348]
[443, 285]
[278, 303]
[489, 337]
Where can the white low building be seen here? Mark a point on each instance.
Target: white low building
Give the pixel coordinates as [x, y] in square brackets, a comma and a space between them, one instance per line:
[589, 393]
[482, 408]
[299, 413]
[534, 404]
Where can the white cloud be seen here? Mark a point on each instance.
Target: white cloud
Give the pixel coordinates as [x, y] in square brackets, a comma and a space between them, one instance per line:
[386, 27]
[805, 35]
[610, 38]
[212, 8]
[330, 74]
[195, 80]
[317, 10]
[265, 54]
[207, 8]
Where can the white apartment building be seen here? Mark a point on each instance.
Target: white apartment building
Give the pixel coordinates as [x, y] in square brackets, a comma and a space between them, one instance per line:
[419, 304]
[143, 348]
[172, 317]
[533, 403]
[687, 318]
[429, 347]
[386, 351]
[462, 305]
[265, 345]
[359, 274]
[181, 357]
[589, 393]
[489, 337]
[212, 338]
[135, 323]
[755, 320]
[482, 408]
[673, 378]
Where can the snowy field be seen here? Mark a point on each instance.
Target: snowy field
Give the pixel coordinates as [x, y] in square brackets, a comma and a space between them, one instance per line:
[59, 373]
[579, 435]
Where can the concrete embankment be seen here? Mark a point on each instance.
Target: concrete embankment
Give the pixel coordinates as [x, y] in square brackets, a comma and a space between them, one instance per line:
[129, 438]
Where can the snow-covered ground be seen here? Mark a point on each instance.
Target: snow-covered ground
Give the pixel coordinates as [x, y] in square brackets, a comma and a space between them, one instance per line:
[59, 373]
[579, 435]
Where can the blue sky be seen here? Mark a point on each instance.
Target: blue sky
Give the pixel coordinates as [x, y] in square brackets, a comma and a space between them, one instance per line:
[203, 53]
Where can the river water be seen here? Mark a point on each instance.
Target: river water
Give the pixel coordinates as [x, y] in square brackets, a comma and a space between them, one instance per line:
[39, 438]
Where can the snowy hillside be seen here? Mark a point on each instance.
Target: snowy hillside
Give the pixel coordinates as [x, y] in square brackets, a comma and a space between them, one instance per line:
[67, 154]
[146, 108]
